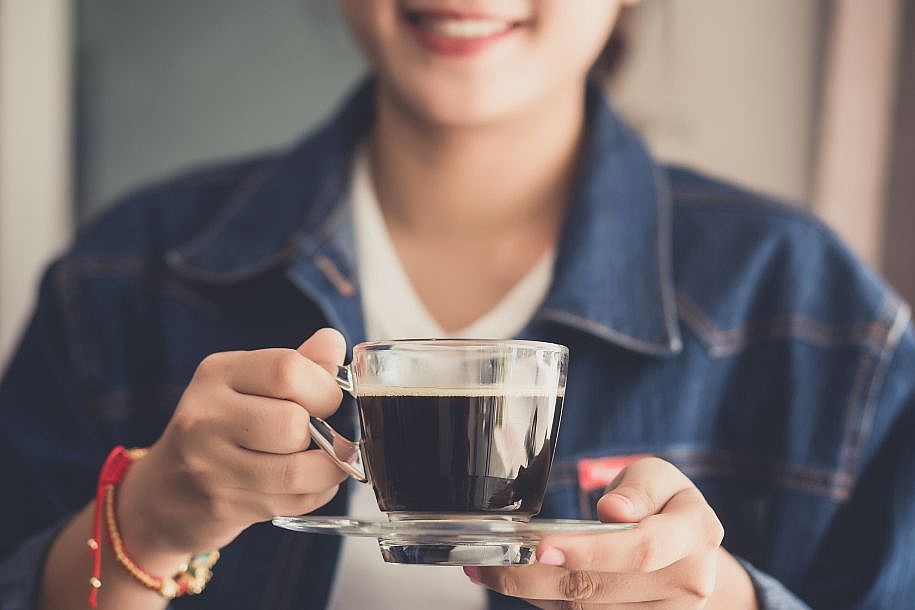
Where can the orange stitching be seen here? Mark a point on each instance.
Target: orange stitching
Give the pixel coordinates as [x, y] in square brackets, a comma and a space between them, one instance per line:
[343, 285]
[235, 201]
[605, 332]
[863, 395]
[691, 314]
[178, 256]
[720, 457]
[728, 342]
[699, 461]
[839, 493]
[181, 292]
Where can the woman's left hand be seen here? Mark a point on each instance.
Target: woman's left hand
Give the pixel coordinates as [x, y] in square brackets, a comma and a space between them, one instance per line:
[673, 559]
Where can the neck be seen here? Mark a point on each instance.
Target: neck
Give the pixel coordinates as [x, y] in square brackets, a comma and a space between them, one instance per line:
[512, 174]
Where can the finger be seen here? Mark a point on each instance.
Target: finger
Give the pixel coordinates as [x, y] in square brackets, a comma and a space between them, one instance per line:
[693, 578]
[539, 582]
[686, 584]
[286, 374]
[664, 604]
[326, 346]
[305, 472]
[686, 524]
[642, 489]
[288, 505]
[268, 425]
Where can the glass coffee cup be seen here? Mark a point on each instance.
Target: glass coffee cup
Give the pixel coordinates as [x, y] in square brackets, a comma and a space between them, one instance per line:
[452, 429]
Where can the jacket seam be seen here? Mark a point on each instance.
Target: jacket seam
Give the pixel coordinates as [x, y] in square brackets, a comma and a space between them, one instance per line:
[242, 194]
[132, 266]
[717, 198]
[839, 493]
[80, 357]
[708, 462]
[224, 173]
[863, 401]
[604, 332]
[328, 196]
[288, 251]
[228, 277]
[70, 273]
[721, 343]
[181, 292]
[664, 236]
[730, 458]
[724, 203]
[325, 232]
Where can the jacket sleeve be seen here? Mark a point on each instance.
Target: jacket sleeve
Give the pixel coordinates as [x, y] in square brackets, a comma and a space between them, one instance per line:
[867, 559]
[770, 593]
[50, 444]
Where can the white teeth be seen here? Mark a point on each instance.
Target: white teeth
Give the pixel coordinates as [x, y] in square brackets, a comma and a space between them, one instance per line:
[465, 28]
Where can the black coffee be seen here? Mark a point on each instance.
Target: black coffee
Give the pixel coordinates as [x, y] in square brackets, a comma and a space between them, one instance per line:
[456, 454]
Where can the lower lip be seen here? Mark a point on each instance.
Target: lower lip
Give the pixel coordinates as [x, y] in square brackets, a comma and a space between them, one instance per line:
[457, 47]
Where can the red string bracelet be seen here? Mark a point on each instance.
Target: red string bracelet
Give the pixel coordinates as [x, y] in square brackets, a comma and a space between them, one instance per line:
[193, 577]
[112, 474]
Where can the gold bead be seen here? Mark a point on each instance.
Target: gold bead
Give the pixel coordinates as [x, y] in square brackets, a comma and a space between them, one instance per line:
[169, 589]
[95, 582]
[93, 544]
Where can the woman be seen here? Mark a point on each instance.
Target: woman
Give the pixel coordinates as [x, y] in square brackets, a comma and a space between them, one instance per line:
[729, 335]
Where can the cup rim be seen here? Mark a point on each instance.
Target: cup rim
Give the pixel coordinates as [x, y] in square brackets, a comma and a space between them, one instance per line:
[460, 344]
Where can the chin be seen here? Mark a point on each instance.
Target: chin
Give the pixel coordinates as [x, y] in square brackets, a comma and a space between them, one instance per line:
[459, 111]
[459, 103]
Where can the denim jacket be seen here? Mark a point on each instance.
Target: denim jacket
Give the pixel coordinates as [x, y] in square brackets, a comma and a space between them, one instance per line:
[726, 332]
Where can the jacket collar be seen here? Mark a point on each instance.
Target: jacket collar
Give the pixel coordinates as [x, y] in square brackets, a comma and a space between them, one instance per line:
[284, 210]
[613, 272]
[613, 268]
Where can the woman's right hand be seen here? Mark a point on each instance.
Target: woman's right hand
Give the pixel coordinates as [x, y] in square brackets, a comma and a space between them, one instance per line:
[234, 453]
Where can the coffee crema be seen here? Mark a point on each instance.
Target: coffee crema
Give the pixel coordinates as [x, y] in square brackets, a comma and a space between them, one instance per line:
[481, 450]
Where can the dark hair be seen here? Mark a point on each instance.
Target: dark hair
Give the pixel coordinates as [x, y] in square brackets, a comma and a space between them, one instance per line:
[613, 53]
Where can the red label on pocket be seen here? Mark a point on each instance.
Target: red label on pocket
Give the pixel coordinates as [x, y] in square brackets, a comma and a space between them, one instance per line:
[597, 473]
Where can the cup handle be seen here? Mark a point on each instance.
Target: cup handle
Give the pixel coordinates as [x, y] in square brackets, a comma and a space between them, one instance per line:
[345, 453]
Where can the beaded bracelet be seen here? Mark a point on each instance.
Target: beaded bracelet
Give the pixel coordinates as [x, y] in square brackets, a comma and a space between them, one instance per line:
[192, 577]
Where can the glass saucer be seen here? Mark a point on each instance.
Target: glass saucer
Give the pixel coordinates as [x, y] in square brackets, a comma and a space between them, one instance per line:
[450, 541]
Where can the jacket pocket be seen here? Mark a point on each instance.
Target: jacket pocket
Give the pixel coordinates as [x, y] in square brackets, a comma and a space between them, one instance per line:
[577, 484]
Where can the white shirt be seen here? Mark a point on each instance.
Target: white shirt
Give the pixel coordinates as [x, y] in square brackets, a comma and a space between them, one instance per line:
[392, 309]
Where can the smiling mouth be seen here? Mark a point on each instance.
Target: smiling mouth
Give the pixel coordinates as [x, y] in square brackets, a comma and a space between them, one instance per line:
[459, 26]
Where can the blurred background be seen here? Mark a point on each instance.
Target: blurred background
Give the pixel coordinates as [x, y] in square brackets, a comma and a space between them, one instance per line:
[810, 100]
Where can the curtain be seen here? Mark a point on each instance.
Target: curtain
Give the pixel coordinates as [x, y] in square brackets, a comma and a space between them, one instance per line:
[856, 122]
[899, 228]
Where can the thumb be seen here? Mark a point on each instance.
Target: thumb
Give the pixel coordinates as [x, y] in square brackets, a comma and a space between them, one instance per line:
[623, 504]
[326, 347]
[641, 490]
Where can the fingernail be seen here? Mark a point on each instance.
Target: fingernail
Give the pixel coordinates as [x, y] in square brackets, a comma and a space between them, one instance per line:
[552, 557]
[473, 574]
[630, 506]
